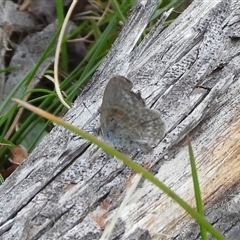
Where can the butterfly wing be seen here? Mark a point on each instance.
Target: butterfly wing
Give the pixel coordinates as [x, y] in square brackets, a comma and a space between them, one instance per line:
[124, 117]
[118, 94]
[149, 125]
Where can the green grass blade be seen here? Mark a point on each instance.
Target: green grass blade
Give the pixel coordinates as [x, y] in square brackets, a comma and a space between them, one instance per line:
[197, 190]
[9, 69]
[118, 10]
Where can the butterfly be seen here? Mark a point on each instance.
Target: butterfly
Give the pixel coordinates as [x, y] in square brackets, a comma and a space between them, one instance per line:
[125, 120]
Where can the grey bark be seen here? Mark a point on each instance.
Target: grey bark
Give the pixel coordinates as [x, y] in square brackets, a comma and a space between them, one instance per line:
[189, 71]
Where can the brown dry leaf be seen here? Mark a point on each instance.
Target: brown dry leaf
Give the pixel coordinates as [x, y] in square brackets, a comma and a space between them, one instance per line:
[7, 172]
[18, 155]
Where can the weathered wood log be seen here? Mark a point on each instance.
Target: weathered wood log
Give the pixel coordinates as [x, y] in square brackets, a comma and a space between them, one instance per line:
[70, 189]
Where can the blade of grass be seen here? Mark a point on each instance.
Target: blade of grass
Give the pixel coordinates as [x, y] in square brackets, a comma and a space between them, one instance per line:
[6, 121]
[197, 190]
[96, 31]
[1, 179]
[118, 10]
[109, 228]
[9, 69]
